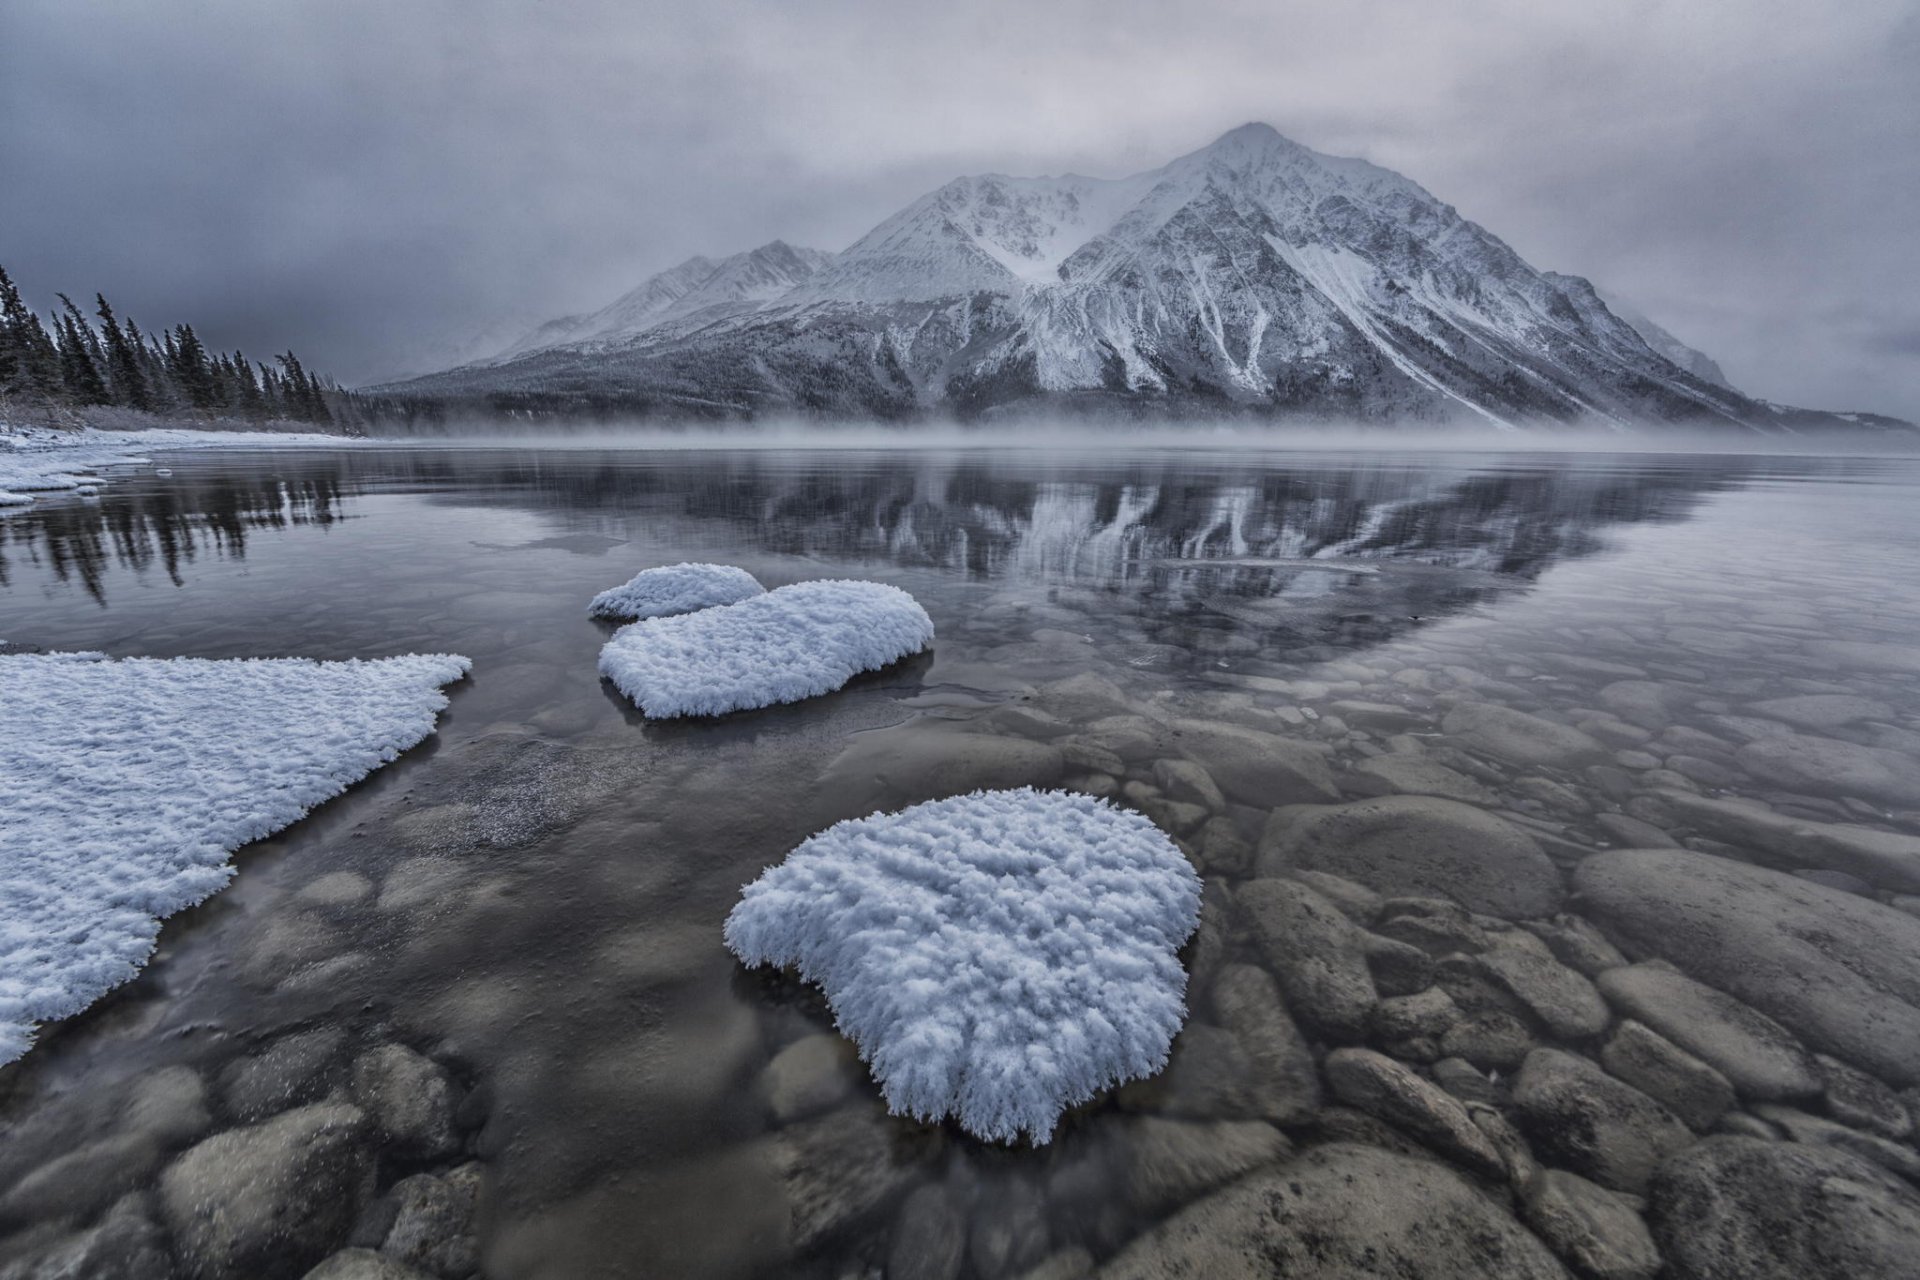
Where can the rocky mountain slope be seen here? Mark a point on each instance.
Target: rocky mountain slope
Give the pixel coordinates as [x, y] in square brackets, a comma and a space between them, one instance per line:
[1253, 277]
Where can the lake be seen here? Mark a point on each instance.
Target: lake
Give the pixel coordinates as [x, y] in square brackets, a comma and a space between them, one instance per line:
[1627, 748]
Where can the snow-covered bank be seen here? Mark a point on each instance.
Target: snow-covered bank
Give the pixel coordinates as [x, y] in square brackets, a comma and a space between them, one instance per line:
[797, 642]
[125, 785]
[675, 588]
[999, 956]
[38, 459]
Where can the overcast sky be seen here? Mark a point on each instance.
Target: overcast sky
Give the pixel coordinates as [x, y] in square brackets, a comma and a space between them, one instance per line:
[375, 182]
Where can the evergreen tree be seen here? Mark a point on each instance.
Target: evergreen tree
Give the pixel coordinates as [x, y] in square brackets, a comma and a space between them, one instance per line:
[128, 383]
[250, 402]
[79, 371]
[29, 360]
[192, 371]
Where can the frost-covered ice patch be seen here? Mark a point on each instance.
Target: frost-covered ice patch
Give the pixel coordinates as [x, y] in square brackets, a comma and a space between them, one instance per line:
[787, 644]
[42, 459]
[999, 956]
[675, 588]
[125, 785]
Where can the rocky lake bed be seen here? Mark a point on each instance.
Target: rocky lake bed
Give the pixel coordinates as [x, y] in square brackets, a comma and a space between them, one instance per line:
[1558, 820]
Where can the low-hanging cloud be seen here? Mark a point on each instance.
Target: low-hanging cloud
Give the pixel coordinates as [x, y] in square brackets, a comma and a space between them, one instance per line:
[381, 186]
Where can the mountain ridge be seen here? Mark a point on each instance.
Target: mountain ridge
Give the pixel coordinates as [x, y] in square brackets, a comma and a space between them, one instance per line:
[1251, 277]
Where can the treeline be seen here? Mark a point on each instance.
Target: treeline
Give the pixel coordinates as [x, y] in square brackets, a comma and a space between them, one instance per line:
[60, 368]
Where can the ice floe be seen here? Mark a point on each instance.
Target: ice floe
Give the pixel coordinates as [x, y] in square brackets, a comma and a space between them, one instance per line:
[999, 956]
[787, 644]
[675, 588]
[125, 785]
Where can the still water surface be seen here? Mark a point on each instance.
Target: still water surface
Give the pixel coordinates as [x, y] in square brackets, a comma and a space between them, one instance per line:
[533, 899]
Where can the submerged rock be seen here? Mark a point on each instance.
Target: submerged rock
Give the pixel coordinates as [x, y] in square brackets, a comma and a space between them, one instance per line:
[364, 1264]
[1831, 767]
[1341, 1212]
[1257, 768]
[1519, 738]
[1581, 1118]
[1564, 1001]
[1596, 1230]
[433, 1223]
[410, 1098]
[1421, 776]
[1887, 859]
[267, 1201]
[1760, 1057]
[1286, 1081]
[1668, 1074]
[1421, 845]
[1388, 1091]
[1318, 954]
[1841, 971]
[929, 1237]
[1745, 1209]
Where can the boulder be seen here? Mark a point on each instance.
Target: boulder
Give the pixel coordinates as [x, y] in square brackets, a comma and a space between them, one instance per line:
[1597, 1231]
[1285, 1079]
[1668, 1074]
[292, 1070]
[1830, 767]
[1388, 1091]
[410, 1098]
[365, 1264]
[269, 1200]
[813, 1074]
[1887, 859]
[1823, 710]
[1257, 768]
[1424, 846]
[1564, 1001]
[929, 1237]
[1318, 955]
[433, 1222]
[1734, 1208]
[1581, 1118]
[1420, 776]
[1519, 738]
[1342, 1211]
[1840, 971]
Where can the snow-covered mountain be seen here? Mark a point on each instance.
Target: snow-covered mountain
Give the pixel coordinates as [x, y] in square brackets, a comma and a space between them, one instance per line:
[1252, 277]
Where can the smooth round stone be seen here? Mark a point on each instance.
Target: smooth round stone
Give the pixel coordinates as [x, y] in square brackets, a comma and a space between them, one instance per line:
[1823, 710]
[1342, 1211]
[1422, 846]
[1842, 972]
[1859, 655]
[1519, 738]
[1734, 1208]
[1830, 767]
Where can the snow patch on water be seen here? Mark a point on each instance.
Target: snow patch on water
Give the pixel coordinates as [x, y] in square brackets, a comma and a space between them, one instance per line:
[998, 957]
[675, 588]
[44, 460]
[125, 785]
[792, 643]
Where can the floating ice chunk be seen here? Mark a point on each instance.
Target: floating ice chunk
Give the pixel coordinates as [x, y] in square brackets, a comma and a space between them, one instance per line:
[790, 643]
[675, 588]
[999, 956]
[125, 785]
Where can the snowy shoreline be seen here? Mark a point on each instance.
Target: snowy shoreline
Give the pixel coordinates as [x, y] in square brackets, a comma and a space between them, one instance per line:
[45, 460]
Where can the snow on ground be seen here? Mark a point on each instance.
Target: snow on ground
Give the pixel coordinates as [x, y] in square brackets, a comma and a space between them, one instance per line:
[675, 588]
[38, 459]
[791, 643]
[999, 957]
[125, 785]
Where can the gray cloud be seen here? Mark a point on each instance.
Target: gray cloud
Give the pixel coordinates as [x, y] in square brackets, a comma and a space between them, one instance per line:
[376, 183]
